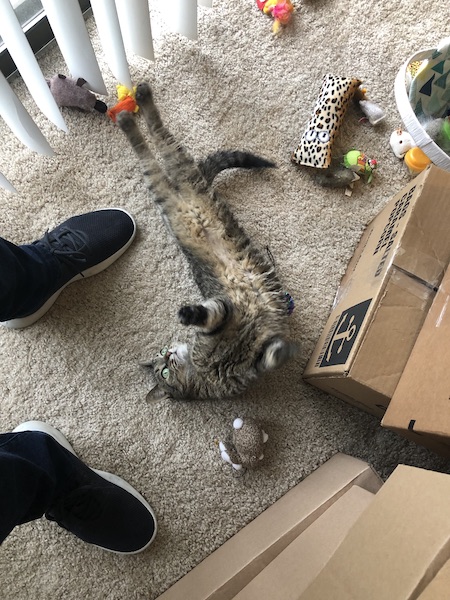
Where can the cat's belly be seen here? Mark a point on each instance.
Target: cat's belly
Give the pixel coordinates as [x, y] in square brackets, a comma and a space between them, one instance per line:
[245, 283]
[227, 265]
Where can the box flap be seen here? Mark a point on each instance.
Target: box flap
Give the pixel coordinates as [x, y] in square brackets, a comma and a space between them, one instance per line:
[424, 248]
[391, 333]
[294, 569]
[421, 400]
[398, 544]
[439, 588]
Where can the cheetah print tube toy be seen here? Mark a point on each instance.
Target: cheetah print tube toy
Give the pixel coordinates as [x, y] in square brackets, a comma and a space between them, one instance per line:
[314, 149]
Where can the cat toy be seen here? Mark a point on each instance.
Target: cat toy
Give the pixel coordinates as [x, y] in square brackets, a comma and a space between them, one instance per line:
[343, 174]
[360, 166]
[74, 93]
[290, 304]
[315, 147]
[245, 448]
[415, 158]
[373, 113]
[280, 10]
[400, 142]
[126, 101]
[404, 147]
[360, 163]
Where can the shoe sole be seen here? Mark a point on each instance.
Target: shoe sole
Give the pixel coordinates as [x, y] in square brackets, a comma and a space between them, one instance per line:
[21, 323]
[115, 479]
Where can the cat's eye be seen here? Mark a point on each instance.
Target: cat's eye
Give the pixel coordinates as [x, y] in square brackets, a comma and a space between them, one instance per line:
[165, 373]
[310, 135]
[164, 351]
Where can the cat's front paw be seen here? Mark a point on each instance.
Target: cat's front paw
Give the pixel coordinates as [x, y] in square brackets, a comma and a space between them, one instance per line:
[193, 315]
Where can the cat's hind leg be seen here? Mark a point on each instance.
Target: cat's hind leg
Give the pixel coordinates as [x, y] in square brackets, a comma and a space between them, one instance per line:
[210, 316]
[178, 163]
[144, 99]
[154, 177]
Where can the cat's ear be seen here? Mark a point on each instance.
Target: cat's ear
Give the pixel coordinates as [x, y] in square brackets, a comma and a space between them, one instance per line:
[146, 363]
[275, 353]
[156, 394]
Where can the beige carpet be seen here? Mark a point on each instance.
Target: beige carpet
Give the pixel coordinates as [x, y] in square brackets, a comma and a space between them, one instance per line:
[77, 368]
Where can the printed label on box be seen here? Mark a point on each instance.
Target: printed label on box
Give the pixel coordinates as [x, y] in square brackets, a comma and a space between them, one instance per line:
[342, 335]
[391, 229]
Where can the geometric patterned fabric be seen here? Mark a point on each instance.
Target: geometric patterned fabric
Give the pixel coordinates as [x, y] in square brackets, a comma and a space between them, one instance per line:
[429, 92]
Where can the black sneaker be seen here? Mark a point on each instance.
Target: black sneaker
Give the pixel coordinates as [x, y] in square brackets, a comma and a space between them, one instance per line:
[104, 510]
[84, 245]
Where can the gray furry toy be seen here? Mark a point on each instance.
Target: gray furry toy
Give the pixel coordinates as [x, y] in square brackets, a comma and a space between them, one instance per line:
[74, 93]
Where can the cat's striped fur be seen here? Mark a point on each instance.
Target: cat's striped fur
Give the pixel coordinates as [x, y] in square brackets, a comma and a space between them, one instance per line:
[242, 324]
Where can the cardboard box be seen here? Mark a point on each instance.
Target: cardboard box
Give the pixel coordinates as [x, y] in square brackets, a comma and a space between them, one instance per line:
[226, 571]
[294, 569]
[396, 547]
[385, 295]
[439, 588]
[420, 408]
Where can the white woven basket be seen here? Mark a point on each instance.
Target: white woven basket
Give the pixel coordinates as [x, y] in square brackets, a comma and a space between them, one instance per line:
[410, 121]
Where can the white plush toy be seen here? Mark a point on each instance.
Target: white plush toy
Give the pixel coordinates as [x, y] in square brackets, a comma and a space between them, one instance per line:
[246, 447]
[401, 142]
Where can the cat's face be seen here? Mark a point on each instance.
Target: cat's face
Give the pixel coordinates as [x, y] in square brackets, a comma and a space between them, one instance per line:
[170, 371]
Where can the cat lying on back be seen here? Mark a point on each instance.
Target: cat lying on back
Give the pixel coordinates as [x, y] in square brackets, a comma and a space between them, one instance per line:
[243, 320]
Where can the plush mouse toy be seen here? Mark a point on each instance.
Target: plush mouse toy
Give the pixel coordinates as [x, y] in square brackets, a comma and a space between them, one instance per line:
[74, 93]
[245, 449]
[400, 142]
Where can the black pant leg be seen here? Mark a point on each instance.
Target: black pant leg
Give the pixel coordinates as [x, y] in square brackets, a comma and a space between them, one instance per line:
[34, 470]
[26, 274]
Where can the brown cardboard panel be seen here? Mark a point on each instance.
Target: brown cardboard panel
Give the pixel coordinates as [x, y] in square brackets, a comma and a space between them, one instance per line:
[366, 275]
[420, 407]
[438, 444]
[385, 294]
[424, 245]
[390, 335]
[349, 390]
[392, 332]
[294, 569]
[396, 547]
[226, 571]
[439, 588]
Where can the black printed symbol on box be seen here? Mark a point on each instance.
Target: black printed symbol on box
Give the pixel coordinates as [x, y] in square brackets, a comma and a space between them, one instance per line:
[344, 335]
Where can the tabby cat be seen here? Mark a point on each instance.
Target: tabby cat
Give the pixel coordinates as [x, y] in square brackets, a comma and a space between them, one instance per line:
[242, 322]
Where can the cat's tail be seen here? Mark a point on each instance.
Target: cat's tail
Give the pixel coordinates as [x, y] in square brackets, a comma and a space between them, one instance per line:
[231, 159]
